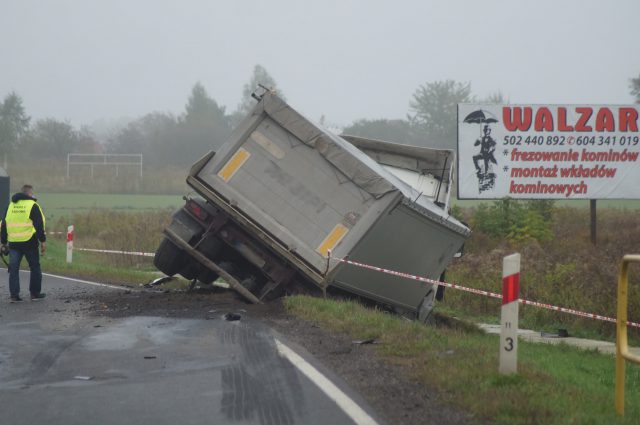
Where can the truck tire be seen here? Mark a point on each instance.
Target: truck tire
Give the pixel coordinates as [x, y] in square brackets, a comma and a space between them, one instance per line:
[210, 247]
[207, 276]
[169, 259]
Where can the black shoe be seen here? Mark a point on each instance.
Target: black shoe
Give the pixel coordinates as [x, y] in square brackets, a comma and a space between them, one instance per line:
[37, 297]
[15, 299]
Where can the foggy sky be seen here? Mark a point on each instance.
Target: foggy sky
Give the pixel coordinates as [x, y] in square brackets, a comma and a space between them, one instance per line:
[84, 60]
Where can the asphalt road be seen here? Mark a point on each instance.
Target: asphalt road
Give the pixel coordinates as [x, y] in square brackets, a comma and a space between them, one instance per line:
[61, 364]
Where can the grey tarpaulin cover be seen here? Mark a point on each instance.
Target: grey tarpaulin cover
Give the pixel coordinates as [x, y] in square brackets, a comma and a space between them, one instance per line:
[354, 164]
[360, 168]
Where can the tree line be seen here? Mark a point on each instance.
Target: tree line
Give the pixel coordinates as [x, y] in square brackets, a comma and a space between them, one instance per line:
[164, 138]
[432, 120]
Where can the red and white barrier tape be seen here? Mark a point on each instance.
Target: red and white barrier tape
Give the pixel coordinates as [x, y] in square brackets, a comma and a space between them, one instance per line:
[69, 234]
[110, 251]
[576, 312]
[419, 279]
[481, 292]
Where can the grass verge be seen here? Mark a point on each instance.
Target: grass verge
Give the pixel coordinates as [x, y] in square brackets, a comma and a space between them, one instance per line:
[555, 384]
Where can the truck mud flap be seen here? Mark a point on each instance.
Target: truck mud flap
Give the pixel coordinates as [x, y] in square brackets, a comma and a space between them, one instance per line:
[233, 282]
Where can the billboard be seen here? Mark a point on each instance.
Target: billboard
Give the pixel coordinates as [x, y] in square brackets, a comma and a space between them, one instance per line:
[548, 151]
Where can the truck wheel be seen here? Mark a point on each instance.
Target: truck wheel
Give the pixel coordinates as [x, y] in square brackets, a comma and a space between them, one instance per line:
[191, 269]
[169, 259]
[210, 247]
[207, 276]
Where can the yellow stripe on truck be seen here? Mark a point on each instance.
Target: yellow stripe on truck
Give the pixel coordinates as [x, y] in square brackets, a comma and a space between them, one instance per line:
[332, 239]
[234, 163]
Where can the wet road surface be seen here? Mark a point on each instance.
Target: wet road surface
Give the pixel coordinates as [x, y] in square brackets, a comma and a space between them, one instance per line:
[61, 365]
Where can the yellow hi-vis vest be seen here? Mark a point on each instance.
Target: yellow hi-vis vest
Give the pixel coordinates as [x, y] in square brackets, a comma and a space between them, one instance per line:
[19, 225]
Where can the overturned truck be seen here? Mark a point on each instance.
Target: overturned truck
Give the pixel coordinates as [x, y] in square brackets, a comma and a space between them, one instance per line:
[282, 193]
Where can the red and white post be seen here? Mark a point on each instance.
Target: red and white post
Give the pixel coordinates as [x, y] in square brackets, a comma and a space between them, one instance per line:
[509, 316]
[69, 244]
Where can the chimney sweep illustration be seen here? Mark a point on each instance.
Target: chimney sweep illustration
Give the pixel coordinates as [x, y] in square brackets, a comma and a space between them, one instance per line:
[487, 148]
[484, 159]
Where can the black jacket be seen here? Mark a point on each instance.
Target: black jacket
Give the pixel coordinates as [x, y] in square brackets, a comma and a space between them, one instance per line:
[38, 222]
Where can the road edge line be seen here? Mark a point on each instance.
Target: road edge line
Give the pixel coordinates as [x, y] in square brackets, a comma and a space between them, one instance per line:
[88, 282]
[350, 407]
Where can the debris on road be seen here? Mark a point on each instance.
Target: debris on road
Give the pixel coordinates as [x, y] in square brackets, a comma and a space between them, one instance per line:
[158, 281]
[366, 341]
[562, 333]
[232, 317]
[221, 284]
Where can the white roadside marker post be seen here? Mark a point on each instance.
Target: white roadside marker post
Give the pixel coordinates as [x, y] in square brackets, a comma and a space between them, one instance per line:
[69, 244]
[509, 314]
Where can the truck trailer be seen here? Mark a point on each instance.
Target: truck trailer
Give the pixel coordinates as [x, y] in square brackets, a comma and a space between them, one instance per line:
[284, 197]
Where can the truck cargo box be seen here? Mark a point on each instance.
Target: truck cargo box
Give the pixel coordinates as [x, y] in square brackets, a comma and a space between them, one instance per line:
[301, 191]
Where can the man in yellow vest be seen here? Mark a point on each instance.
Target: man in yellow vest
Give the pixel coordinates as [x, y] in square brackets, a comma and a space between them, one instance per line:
[23, 227]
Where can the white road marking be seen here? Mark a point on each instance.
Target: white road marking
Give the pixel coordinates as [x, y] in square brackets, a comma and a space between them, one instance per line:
[343, 401]
[104, 285]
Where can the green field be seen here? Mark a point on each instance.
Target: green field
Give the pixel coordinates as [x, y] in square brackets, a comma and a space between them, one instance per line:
[56, 205]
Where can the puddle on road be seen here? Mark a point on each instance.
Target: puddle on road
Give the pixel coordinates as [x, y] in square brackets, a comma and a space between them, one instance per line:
[126, 334]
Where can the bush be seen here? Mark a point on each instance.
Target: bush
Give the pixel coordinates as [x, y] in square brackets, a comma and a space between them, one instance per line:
[515, 220]
[560, 265]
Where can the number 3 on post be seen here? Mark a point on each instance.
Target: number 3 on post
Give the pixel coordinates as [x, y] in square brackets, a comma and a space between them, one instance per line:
[509, 316]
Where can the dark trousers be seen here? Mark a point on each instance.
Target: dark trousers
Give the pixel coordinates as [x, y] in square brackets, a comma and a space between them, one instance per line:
[33, 258]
